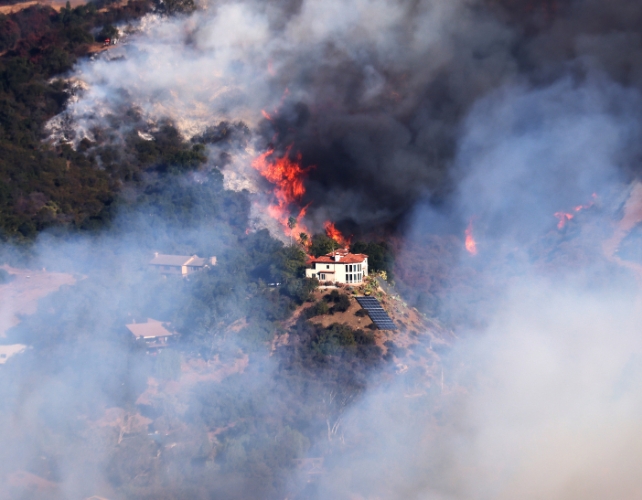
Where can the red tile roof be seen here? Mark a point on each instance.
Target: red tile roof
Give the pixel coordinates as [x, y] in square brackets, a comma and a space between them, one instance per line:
[345, 258]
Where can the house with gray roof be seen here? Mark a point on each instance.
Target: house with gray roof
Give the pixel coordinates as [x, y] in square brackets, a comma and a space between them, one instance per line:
[180, 265]
[153, 334]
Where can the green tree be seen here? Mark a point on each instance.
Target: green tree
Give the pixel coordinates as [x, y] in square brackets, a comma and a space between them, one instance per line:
[291, 225]
[107, 31]
[380, 256]
[321, 245]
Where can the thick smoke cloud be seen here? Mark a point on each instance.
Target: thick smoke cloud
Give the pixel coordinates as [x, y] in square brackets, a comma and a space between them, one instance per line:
[372, 93]
[541, 399]
[544, 403]
[369, 92]
[527, 154]
[500, 122]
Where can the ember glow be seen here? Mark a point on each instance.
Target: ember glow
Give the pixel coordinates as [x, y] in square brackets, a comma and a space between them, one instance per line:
[287, 175]
[471, 244]
[335, 234]
[564, 217]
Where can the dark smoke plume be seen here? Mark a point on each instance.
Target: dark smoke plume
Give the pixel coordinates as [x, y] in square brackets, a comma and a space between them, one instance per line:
[372, 93]
[422, 118]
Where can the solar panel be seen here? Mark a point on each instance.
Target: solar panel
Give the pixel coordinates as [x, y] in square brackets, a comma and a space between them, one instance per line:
[377, 314]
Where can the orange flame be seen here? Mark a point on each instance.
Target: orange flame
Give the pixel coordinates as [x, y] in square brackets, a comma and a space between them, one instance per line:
[287, 176]
[471, 244]
[335, 234]
[564, 217]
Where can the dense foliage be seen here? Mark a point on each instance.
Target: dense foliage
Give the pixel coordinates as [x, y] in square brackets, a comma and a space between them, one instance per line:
[380, 255]
[232, 436]
[322, 244]
[42, 186]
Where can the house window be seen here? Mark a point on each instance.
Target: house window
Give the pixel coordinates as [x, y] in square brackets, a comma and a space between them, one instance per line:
[328, 266]
[322, 276]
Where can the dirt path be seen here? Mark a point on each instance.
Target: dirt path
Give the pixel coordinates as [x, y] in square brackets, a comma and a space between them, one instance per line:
[21, 295]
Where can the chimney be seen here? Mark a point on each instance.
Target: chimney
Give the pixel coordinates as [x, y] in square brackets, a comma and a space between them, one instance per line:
[337, 257]
[155, 254]
[213, 261]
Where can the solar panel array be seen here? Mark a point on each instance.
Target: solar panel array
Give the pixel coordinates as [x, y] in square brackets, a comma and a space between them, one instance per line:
[378, 316]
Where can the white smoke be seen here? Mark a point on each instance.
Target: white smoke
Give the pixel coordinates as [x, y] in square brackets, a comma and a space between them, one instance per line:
[542, 399]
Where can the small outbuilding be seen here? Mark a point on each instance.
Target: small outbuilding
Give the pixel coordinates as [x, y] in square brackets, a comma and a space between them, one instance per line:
[182, 265]
[153, 334]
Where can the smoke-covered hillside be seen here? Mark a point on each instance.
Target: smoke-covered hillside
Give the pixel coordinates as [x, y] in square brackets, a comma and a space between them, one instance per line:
[483, 154]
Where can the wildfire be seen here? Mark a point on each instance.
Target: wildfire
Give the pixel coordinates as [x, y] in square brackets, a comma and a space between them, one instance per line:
[287, 176]
[471, 244]
[335, 234]
[564, 217]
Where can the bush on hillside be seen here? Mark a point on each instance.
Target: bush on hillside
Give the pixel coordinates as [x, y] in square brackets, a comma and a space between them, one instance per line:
[318, 309]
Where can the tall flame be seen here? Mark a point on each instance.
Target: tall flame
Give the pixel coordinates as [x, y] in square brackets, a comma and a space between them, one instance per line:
[287, 176]
[335, 234]
[471, 244]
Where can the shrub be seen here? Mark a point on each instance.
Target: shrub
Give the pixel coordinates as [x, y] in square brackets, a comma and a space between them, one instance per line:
[342, 304]
[318, 309]
[300, 289]
[107, 31]
[333, 296]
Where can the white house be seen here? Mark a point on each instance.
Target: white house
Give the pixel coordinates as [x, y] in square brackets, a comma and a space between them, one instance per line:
[180, 264]
[339, 266]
